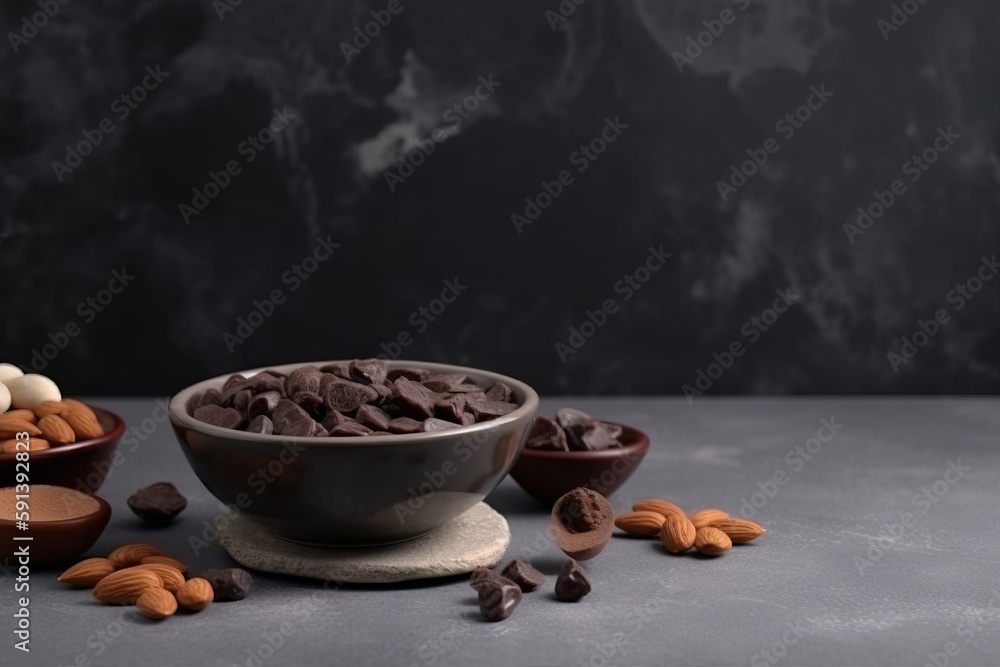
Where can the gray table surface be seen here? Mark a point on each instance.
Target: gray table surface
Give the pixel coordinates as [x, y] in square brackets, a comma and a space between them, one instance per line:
[825, 585]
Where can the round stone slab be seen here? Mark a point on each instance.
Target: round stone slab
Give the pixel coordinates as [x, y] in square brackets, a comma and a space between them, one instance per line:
[477, 538]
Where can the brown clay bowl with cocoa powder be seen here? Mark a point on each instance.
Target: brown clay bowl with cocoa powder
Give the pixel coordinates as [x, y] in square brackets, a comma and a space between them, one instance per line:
[361, 490]
[548, 475]
[82, 465]
[54, 541]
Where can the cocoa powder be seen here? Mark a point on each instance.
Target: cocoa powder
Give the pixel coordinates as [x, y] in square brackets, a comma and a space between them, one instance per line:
[48, 503]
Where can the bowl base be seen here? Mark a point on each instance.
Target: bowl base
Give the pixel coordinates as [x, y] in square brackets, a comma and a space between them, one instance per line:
[477, 538]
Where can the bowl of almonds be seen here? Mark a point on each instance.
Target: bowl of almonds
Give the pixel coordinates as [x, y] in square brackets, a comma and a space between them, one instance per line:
[68, 442]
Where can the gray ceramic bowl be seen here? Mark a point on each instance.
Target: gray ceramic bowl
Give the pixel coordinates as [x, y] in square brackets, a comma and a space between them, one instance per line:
[355, 490]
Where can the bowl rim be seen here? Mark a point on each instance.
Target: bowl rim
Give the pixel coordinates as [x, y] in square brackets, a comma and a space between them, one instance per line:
[103, 512]
[180, 417]
[638, 442]
[113, 435]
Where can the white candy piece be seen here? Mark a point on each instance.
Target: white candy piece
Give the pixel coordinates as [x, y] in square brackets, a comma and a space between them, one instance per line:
[29, 390]
[8, 371]
[4, 398]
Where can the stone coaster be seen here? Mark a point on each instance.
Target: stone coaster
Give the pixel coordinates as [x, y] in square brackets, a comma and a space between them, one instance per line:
[477, 538]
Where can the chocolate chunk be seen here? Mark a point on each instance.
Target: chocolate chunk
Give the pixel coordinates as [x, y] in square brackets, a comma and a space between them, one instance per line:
[209, 397]
[547, 435]
[311, 402]
[286, 411]
[335, 418]
[414, 397]
[568, 418]
[524, 575]
[348, 396]
[265, 382]
[415, 374]
[300, 427]
[592, 437]
[481, 576]
[444, 382]
[434, 424]
[319, 430]
[263, 404]
[405, 425]
[613, 429]
[350, 429]
[380, 433]
[373, 418]
[572, 582]
[157, 503]
[219, 416]
[368, 371]
[261, 424]
[484, 410]
[341, 369]
[498, 598]
[466, 389]
[468, 418]
[451, 408]
[277, 374]
[305, 378]
[241, 400]
[233, 384]
[382, 390]
[229, 583]
[498, 392]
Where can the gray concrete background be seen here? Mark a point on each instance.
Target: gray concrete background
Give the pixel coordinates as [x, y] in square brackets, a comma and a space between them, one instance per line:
[813, 590]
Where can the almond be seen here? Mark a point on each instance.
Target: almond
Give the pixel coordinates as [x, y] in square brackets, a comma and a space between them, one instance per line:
[663, 507]
[739, 530]
[707, 516]
[642, 523]
[46, 408]
[9, 428]
[83, 421]
[712, 541]
[88, 572]
[172, 578]
[55, 429]
[125, 586]
[196, 594]
[14, 446]
[23, 414]
[165, 560]
[677, 533]
[157, 604]
[132, 554]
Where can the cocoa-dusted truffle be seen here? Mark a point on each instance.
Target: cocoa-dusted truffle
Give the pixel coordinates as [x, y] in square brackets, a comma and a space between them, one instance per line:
[582, 521]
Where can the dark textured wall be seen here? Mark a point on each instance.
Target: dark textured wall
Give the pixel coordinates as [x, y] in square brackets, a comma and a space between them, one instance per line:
[352, 165]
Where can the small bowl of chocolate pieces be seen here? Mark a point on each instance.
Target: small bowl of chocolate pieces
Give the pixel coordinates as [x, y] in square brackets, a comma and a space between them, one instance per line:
[576, 450]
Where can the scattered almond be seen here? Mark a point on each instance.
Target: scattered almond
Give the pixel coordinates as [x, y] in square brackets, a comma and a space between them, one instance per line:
[157, 603]
[14, 446]
[165, 560]
[196, 594]
[641, 523]
[55, 429]
[125, 586]
[88, 572]
[677, 533]
[132, 554]
[172, 578]
[712, 541]
[664, 507]
[739, 530]
[707, 516]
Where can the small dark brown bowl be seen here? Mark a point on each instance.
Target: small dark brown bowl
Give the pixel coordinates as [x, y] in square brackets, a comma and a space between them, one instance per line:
[548, 475]
[55, 541]
[82, 465]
